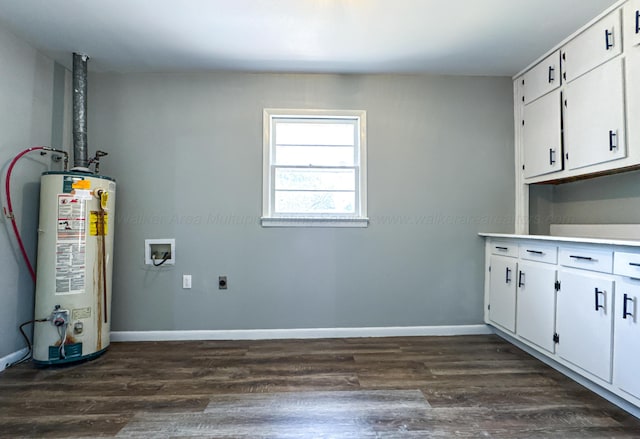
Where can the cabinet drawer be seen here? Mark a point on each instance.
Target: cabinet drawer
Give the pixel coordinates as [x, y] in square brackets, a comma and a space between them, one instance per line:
[587, 259]
[503, 248]
[543, 78]
[626, 264]
[540, 253]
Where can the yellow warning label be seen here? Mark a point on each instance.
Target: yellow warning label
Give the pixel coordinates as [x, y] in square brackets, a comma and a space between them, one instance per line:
[98, 222]
[81, 184]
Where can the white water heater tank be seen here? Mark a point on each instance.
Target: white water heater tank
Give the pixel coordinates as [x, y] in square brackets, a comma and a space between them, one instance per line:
[74, 267]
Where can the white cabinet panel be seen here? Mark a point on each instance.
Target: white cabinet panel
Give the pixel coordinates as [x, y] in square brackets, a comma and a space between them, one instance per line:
[504, 248]
[539, 252]
[631, 25]
[593, 47]
[626, 264]
[542, 136]
[543, 78]
[536, 304]
[585, 321]
[594, 117]
[626, 360]
[632, 67]
[502, 292]
[586, 258]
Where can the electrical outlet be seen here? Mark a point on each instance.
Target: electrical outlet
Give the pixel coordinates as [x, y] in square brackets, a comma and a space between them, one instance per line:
[222, 282]
[186, 281]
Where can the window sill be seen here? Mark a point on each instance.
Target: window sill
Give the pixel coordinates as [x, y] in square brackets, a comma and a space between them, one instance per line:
[313, 222]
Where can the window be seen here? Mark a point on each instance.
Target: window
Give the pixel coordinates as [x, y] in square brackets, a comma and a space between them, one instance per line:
[314, 168]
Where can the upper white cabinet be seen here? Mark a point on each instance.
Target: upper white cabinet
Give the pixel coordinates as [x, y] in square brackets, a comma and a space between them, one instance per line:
[542, 139]
[581, 122]
[631, 17]
[594, 117]
[543, 78]
[593, 47]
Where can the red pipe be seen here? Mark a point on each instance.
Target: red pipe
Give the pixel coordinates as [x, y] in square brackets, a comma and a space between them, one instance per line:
[10, 206]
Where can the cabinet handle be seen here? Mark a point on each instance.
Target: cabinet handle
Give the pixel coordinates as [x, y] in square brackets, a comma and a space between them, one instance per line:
[552, 156]
[612, 140]
[597, 295]
[634, 264]
[520, 282]
[626, 314]
[638, 22]
[551, 74]
[502, 248]
[507, 277]
[537, 252]
[608, 41]
[583, 258]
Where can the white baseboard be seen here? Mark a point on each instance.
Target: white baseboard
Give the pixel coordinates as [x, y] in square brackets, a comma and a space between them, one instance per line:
[273, 334]
[12, 358]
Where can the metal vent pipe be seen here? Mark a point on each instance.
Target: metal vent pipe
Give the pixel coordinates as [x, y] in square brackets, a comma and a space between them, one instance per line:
[80, 150]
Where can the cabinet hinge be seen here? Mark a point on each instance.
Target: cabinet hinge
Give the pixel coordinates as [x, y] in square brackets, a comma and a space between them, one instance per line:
[556, 338]
[489, 307]
[557, 285]
[489, 268]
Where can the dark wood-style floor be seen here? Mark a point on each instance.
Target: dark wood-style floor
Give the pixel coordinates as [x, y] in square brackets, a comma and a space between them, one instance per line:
[413, 387]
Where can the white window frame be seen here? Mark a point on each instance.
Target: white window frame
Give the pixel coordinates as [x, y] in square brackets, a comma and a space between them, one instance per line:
[273, 219]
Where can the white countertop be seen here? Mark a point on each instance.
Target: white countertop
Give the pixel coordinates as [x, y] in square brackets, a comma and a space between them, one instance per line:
[622, 242]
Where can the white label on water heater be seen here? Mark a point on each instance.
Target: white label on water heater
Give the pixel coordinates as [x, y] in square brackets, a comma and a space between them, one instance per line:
[71, 242]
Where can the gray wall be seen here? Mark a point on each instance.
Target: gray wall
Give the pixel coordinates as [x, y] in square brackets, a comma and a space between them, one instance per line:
[612, 199]
[186, 150]
[26, 119]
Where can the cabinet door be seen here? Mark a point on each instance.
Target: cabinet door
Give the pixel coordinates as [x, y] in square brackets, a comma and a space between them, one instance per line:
[631, 16]
[594, 117]
[542, 136]
[537, 304]
[543, 78]
[584, 321]
[632, 66]
[595, 46]
[502, 292]
[626, 360]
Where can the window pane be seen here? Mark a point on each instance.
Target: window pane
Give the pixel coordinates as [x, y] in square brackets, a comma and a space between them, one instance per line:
[315, 155]
[318, 133]
[315, 179]
[315, 202]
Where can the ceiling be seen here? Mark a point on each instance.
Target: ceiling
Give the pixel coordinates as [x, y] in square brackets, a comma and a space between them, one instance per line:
[468, 37]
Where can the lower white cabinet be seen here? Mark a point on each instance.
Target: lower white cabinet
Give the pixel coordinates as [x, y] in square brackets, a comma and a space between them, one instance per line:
[585, 321]
[626, 360]
[574, 301]
[536, 304]
[502, 301]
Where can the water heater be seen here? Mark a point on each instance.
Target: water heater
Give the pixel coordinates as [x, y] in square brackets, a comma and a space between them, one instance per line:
[75, 261]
